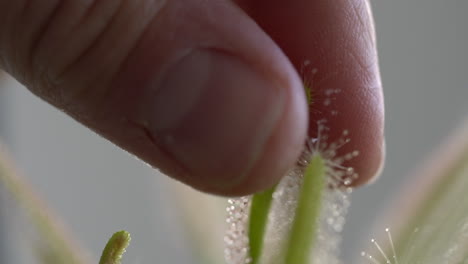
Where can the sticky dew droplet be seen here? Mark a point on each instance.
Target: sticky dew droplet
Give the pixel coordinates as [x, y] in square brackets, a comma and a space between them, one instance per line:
[387, 259]
[236, 237]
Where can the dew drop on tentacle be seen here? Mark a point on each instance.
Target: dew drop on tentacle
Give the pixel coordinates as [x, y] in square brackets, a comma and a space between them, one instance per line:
[390, 258]
[236, 238]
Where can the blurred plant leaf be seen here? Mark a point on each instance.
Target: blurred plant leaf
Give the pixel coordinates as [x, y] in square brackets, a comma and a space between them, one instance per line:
[56, 247]
[202, 217]
[430, 219]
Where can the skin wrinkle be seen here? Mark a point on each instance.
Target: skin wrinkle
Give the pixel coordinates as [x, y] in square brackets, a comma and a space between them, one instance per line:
[36, 37]
[92, 45]
[32, 26]
[53, 82]
[108, 89]
[138, 133]
[6, 25]
[135, 44]
[32, 50]
[60, 70]
[365, 62]
[86, 91]
[27, 5]
[356, 10]
[6, 31]
[201, 23]
[77, 51]
[20, 42]
[90, 10]
[372, 31]
[119, 94]
[123, 92]
[362, 32]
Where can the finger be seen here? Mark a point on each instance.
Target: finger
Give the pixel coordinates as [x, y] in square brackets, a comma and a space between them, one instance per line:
[192, 87]
[337, 39]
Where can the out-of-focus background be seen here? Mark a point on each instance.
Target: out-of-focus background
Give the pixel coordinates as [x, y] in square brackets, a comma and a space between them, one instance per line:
[98, 188]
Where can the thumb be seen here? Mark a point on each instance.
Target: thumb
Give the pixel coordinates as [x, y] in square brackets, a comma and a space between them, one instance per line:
[192, 87]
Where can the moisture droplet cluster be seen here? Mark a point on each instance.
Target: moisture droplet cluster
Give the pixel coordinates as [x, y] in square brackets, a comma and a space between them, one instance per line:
[336, 198]
[285, 198]
[236, 238]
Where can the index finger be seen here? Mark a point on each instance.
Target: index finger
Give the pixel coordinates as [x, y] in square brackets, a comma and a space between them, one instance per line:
[336, 42]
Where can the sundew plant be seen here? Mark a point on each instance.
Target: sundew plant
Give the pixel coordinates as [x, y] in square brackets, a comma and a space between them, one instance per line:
[300, 220]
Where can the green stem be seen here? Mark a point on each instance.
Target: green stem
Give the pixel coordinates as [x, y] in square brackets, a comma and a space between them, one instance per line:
[258, 220]
[305, 224]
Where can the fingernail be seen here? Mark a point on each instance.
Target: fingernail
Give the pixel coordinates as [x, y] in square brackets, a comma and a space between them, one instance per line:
[214, 114]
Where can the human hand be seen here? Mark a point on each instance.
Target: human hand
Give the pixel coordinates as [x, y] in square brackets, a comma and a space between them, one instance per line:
[205, 90]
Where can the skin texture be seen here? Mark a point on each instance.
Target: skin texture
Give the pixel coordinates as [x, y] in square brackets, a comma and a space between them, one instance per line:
[207, 91]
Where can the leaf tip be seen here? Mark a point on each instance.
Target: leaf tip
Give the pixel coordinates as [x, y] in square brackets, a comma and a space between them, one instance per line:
[115, 248]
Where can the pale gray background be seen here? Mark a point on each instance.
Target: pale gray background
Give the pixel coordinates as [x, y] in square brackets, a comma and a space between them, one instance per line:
[424, 62]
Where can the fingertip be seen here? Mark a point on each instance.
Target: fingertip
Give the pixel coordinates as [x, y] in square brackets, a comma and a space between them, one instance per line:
[337, 39]
[355, 116]
[360, 111]
[369, 167]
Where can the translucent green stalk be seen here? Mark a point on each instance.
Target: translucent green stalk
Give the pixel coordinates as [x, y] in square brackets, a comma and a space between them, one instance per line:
[60, 247]
[260, 207]
[115, 248]
[304, 228]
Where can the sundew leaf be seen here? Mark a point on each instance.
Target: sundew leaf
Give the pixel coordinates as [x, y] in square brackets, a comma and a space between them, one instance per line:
[440, 223]
[433, 227]
[260, 207]
[115, 248]
[305, 222]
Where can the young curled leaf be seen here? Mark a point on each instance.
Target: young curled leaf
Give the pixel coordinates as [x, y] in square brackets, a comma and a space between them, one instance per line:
[115, 248]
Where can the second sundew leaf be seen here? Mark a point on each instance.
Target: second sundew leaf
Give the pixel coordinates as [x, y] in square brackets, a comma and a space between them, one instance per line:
[258, 220]
[305, 224]
[430, 218]
[445, 210]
